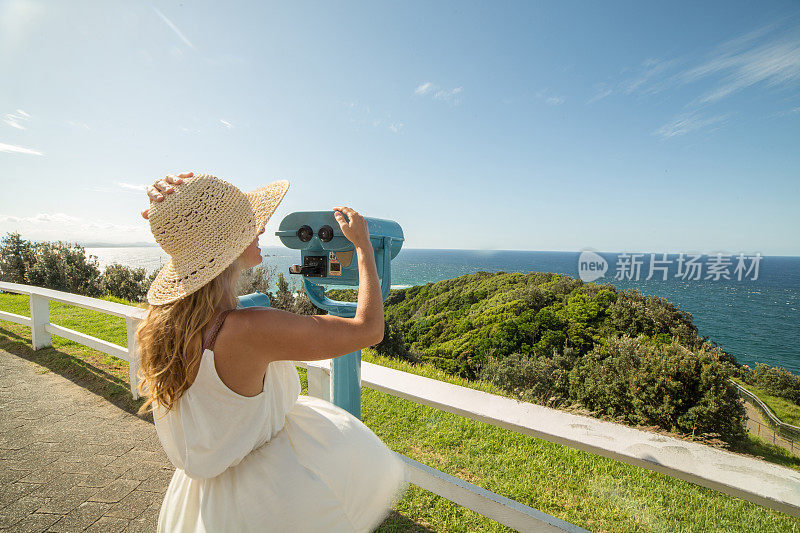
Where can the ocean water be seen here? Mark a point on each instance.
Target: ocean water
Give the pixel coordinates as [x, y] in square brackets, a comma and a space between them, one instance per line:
[755, 318]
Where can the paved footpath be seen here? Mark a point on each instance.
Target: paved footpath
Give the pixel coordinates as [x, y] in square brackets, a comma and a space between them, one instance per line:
[72, 461]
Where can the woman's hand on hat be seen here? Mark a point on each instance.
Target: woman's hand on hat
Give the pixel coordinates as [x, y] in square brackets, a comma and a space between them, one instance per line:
[158, 190]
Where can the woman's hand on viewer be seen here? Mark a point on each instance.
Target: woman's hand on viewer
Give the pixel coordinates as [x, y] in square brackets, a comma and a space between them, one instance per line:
[161, 187]
[355, 229]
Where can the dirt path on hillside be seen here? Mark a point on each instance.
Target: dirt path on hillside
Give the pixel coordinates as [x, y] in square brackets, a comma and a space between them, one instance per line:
[758, 426]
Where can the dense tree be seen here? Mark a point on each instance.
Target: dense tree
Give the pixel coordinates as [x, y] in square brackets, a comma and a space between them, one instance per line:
[64, 267]
[257, 279]
[16, 256]
[124, 282]
[776, 381]
[668, 386]
[284, 299]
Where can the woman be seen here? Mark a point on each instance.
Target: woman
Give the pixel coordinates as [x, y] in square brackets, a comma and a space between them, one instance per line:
[250, 453]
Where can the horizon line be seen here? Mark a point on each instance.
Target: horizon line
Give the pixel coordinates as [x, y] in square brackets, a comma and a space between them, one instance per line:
[688, 252]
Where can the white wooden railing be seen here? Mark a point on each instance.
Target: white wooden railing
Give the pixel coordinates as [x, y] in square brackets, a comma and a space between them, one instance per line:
[737, 475]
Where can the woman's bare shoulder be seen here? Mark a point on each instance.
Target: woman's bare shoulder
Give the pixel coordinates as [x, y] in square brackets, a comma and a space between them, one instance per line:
[241, 320]
[239, 363]
[246, 328]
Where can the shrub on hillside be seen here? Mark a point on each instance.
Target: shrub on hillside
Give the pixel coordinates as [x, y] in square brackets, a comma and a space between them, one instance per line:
[123, 282]
[393, 344]
[539, 379]
[53, 265]
[667, 386]
[304, 306]
[285, 299]
[64, 267]
[16, 254]
[345, 295]
[283, 296]
[776, 381]
[257, 279]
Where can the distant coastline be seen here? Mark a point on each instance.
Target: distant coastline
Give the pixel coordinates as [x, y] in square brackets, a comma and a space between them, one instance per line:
[91, 244]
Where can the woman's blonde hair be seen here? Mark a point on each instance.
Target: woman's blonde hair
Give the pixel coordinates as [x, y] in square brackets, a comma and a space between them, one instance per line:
[170, 338]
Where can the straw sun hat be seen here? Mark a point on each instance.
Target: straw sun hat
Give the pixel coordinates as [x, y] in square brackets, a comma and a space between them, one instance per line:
[204, 225]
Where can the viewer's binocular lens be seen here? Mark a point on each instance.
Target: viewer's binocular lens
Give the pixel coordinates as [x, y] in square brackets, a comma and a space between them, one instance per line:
[325, 233]
[304, 233]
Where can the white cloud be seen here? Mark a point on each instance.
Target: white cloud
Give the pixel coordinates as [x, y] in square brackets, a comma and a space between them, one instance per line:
[81, 125]
[768, 56]
[10, 148]
[362, 115]
[66, 227]
[423, 88]
[56, 218]
[444, 94]
[550, 100]
[174, 28]
[774, 63]
[792, 111]
[687, 122]
[13, 120]
[132, 186]
[652, 69]
[741, 63]
[111, 227]
[600, 95]
[450, 96]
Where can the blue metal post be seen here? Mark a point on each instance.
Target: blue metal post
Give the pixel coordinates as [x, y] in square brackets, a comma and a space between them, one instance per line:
[346, 382]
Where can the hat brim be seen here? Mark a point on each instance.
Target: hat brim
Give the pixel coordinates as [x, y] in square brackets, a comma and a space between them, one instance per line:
[265, 200]
[167, 286]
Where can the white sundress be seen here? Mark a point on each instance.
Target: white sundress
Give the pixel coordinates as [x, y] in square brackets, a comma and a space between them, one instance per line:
[276, 461]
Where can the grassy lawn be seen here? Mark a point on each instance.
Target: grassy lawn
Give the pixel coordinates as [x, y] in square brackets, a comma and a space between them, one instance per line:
[593, 492]
[787, 411]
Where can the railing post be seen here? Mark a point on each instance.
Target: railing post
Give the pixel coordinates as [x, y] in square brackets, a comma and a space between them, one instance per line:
[319, 380]
[133, 353]
[40, 317]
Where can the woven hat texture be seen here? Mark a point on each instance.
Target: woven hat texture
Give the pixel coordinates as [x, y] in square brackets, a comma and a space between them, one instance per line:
[204, 225]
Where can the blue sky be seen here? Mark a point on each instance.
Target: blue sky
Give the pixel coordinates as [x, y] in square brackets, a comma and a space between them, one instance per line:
[616, 126]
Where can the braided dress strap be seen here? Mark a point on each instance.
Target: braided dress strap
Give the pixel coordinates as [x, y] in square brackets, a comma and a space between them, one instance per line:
[211, 338]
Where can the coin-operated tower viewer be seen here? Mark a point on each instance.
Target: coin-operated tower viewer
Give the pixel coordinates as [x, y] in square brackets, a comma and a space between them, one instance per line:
[327, 257]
